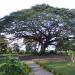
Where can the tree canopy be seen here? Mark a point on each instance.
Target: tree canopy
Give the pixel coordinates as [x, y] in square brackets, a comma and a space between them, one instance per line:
[42, 23]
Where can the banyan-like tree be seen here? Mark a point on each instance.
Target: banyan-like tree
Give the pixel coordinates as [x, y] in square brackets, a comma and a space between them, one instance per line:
[42, 24]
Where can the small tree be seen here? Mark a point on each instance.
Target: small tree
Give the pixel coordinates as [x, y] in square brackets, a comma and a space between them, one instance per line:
[16, 48]
[3, 44]
[72, 55]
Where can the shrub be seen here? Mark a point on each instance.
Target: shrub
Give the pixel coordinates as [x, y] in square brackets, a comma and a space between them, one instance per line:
[13, 67]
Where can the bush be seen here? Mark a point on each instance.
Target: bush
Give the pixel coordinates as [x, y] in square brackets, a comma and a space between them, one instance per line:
[13, 67]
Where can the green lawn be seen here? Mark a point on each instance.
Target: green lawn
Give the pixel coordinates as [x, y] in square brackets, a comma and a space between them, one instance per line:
[59, 67]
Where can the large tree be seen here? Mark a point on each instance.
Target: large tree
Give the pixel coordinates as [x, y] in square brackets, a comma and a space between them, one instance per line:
[43, 24]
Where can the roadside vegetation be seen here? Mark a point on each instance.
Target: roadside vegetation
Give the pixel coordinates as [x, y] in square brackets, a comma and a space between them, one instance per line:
[12, 66]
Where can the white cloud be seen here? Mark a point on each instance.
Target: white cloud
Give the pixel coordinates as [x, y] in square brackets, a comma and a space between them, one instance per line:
[8, 6]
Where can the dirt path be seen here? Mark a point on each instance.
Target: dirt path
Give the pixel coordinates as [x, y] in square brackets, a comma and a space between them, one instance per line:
[36, 69]
[23, 58]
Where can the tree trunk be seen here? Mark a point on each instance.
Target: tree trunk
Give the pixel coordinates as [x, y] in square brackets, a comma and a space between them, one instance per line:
[42, 50]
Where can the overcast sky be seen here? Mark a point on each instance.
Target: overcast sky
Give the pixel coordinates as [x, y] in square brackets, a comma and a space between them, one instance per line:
[8, 6]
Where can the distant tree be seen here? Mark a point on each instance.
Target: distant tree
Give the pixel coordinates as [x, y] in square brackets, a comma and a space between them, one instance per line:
[66, 44]
[3, 44]
[16, 48]
[9, 50]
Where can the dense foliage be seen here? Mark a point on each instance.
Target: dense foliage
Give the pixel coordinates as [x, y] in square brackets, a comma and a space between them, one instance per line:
[3, 45]
[41, 24]
[12, 66]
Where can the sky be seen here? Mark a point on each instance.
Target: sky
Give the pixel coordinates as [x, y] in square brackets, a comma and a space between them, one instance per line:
[8, 6]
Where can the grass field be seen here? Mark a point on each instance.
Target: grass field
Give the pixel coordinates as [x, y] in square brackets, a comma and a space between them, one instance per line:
[59, 67]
